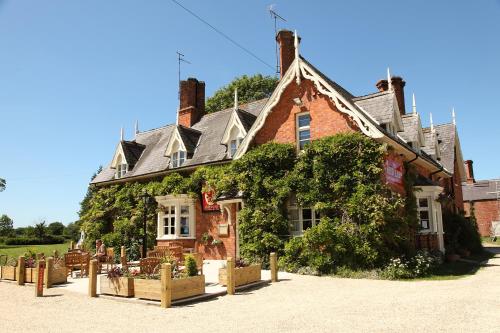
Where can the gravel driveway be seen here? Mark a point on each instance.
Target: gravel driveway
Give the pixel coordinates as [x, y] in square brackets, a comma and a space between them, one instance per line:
[298, 303]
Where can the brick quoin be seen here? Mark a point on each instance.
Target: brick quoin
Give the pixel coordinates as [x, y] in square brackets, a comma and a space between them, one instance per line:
[485, 211]
[326, 120]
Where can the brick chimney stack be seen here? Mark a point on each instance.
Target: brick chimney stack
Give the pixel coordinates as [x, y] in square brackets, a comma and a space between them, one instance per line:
[285, 39]
[398, 85]
[469, 172]
[192, 102]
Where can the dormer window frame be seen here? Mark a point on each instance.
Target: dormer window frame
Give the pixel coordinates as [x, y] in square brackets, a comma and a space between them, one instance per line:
[233, 135]
[119, 163]
[176, 150]
[303, 131]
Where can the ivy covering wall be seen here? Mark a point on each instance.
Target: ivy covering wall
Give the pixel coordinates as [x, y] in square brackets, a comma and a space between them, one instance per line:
[363, 223]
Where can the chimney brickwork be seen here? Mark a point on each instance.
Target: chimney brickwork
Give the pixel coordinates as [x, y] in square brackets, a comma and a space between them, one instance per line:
[285, 39]
[192, 102]
[469, 172]
[398, 85]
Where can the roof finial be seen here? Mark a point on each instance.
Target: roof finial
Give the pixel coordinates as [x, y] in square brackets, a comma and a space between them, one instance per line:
[389, 80]
[136, 128]
[453, 116]
[121, 134]
[432, 123]
[297, 64]
[414, 105]
[235, 107]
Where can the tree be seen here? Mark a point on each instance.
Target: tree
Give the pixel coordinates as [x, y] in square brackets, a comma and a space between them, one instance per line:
[84, 205]
[250, 88]
[6, 225]
[40, 230]
[3, 183]
[56, 228]
[72, 230]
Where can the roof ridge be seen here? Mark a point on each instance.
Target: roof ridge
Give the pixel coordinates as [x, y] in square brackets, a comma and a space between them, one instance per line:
[156, 129]
[372, 95]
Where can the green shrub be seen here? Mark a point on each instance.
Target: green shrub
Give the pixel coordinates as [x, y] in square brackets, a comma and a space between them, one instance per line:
[461, 234]
[191, 267]
[419, 265]
[34, 241]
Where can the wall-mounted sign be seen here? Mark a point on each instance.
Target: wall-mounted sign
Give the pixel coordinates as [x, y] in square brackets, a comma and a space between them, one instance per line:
[208, 201]
[393, 171]
[223, 230]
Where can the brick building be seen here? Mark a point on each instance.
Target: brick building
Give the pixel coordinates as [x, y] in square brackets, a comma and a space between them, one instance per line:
[306, 105]
[482, 196]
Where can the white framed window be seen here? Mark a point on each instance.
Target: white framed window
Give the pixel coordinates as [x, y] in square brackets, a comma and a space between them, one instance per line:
[303, 122]
[424, 212]
[301, 218]
[233, 146]
[177, 217]
[177, 158]
[121, 168]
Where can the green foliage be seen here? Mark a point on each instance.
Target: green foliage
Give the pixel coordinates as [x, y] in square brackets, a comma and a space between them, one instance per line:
[35, 240]
[72, 231]
[191, 268]
[6, 225]
[419, 265]
[40, 230]
[3, 184]
[250, 88]
[461, 234]
[55, 228]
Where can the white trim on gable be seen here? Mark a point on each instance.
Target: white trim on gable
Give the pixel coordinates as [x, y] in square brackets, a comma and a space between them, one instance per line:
[365, 122]
[234, 121]
[174, 137]
[119, 152]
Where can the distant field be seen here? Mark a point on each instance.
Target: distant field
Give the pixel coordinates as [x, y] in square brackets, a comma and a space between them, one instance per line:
[18, 250]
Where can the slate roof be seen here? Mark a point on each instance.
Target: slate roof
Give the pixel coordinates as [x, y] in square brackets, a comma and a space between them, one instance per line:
[429, 142]
[247, 119]
[446, 136]
[479, 190]
[411, 126]
[189, 137]
[204, 138]
[379, 105]
[132, 151]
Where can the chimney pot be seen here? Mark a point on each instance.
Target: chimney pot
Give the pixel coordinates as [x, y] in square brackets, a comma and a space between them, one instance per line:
[398, 85]
[469, 172]
[285, 39]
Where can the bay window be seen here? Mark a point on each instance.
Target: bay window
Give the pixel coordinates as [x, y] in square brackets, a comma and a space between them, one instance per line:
[176, 218]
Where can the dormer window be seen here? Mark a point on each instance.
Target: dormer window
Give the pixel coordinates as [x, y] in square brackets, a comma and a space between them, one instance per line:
[178, 158]
[236, 138]
[236, 129]
[121, 167]
[303, 130]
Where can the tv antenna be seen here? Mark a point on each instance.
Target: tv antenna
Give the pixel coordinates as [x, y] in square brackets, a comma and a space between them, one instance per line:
[276, 16]
[180, 58]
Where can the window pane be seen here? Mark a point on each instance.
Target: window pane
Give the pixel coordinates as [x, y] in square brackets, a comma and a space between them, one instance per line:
[165, 225]
[293, 217]
[304, 135]
[316, 216]
[306, 224]
[172, 229]
[172, 209]
[304, 120]
[184, 226]
[182, 157]
[423, 202]
[306, 214]
[234, 146]
[184, 209]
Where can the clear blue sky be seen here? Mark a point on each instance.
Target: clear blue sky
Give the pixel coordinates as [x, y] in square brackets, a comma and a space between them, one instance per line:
[73, 72]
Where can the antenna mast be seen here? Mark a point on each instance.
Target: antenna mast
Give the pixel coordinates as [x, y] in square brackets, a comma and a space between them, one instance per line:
[180, 58]
[276, 16]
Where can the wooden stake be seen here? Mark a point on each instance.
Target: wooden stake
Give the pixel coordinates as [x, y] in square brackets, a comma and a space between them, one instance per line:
[93, 278]
[39, 278]
[274, 267]
[123, 257]
[166, 285]
[55, 254]
[48, 272]
[231, 289]
[71, 245]
[20, 271]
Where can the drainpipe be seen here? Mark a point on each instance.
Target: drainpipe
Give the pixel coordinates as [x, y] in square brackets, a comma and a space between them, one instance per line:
[411, 161]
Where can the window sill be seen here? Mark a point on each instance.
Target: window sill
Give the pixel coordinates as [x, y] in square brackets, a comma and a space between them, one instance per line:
[175, 238]
[424, 232]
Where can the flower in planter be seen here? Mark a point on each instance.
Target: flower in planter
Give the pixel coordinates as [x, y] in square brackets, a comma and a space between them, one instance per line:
[205, 238]
[216, 242]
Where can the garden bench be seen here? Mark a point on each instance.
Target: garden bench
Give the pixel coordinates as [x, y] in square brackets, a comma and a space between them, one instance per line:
[149, 265]
[77, 259]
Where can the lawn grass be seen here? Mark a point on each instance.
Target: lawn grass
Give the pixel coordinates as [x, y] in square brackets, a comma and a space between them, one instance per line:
[19, 250]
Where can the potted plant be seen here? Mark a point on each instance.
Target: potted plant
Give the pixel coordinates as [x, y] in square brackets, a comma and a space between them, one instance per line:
[9, 270]
[117, 282]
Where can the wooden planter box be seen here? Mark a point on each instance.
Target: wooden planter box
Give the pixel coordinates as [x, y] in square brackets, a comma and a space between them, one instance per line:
[8, 273]
[121, 286]
[242, 275]
[181, 288]
[58, 275]
[29, 275]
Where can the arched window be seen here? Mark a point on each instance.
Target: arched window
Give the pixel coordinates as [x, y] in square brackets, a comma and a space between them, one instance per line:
[235, 140]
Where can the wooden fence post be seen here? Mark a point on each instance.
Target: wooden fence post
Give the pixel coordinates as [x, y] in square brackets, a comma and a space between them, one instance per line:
[93, 278]
[48, 272]
[274, 267]
[231, 289]
[123, 256]
[71, 245]
[55, 254]
[20, 271]
[166, 285]
[39, 278]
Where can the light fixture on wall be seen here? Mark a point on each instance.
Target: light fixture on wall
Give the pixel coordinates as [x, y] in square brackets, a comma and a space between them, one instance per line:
[297, 101]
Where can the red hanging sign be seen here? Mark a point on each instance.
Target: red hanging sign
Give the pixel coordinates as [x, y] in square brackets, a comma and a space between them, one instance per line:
[208, 200]
[393, 171]
[39, 281]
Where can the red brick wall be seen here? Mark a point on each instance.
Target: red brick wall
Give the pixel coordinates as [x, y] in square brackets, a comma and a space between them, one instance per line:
[427, 241]
[485, 211]
[208, 222]
[326, 120]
